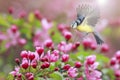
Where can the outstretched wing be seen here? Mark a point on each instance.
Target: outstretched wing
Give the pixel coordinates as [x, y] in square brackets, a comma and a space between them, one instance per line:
[90, 12]
[83, 9]
[93, 17]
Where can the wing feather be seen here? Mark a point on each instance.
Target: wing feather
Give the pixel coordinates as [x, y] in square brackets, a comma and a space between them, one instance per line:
[90, 12]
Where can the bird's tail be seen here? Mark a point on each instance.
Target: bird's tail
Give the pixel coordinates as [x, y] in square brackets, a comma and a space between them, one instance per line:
[98, 38]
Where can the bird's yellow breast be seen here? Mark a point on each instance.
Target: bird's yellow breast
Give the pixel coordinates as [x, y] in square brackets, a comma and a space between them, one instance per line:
[85, 28]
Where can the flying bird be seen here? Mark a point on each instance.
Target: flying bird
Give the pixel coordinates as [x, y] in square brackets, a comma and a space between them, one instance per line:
[86, 20]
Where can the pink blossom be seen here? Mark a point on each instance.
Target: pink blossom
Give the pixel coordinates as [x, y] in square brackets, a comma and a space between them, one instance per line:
[91, 71]
[52, 57]
[90, 59]
[16, 71]
[25, 64]
[14, 37]
[36, 55]
[45, 24]
[39, 38]
[22, 41]
[64, 47]
[2, 36]
[72, 72]
[48, 43]
[65, 57]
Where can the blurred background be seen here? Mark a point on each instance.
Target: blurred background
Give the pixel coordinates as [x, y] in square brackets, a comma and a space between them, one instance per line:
[63, 11]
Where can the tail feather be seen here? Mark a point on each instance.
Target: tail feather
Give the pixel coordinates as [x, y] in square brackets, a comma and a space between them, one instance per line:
[98, 39]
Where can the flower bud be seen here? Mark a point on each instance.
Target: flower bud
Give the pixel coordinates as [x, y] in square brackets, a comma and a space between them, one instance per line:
[19, 75]
[93, 46]
[91, 59]
[117, 73]
[31, 77]
[117, 55]
[87, 43]
[44, 59]
[67, 35]
[77, 44]
[48, 43]
[113, 61]
[104, 48]
[39, 50]
[14, 28]
[27, 75]
[11, 10]
[31, 56]
[17, 60]
[45, 65]
[38, 14]
[65, 57]
[22, 14]
[24, 54]
[56, 69]
[66, 67]
[34, 64]
[25, 65]
[61, 27]
[78, 64]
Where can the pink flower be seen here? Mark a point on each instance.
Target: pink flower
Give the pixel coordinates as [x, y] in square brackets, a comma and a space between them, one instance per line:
[90, 59]
[2, 36]
[65, 57]
[22, 41]
[67, 35]
[16, 71]
[25, 63]
[72, 72]
[14, 37]
[52, 57]
[104, 48]
[48, 43]
[31, 55]
[64, 47]
[38, 14]
[114, 62]
[45, 24]
[90, 68]
[40, 50]
[24, 54]
[39, 38]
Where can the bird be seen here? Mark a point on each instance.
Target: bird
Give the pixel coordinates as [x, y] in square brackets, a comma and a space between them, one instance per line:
[87, 18]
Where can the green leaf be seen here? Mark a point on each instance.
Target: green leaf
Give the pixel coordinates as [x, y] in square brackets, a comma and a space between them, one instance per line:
[10, 77]
[55, 34]
[52, 66]
[108, 73]
[103, 59]
[56, 76]
[2, 47]
[3, 21]
[26, 30]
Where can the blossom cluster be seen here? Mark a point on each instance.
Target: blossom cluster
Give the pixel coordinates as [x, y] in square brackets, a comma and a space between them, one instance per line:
[115, 64]
[56, 52]
[40, 62]
[47, 60]
[12, 37]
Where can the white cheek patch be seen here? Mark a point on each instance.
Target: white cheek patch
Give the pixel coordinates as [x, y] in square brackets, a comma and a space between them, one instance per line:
[74, 25]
